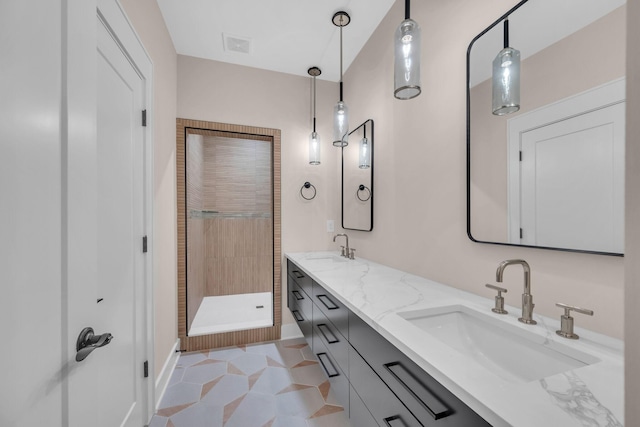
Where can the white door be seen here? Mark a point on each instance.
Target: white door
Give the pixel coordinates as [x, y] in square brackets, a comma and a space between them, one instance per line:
[119, 293]
[572, 181]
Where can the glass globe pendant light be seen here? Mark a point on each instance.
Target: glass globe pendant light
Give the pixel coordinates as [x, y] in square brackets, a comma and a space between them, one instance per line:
[406, 68]
[340, 111]
[314, 138]
[506, 78]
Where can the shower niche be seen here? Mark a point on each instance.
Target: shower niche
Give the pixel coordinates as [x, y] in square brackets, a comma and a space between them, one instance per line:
[228, 234]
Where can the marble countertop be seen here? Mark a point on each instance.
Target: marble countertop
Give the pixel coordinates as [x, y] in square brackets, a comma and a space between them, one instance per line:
[591, 395]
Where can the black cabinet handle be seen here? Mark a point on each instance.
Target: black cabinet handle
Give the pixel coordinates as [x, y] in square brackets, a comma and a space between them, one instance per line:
[331, 305]
[395, 421]
[324, 356]
[297, 315]
[430, 402]
[298, 274]
[333, 338]
[298, 295]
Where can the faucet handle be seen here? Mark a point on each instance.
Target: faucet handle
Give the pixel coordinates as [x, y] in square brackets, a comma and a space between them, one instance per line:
[342, 251]
[352, 253]
[499, 307]
[566, 321]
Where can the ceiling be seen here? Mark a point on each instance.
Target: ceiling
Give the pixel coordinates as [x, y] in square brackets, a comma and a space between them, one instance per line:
[288, 36]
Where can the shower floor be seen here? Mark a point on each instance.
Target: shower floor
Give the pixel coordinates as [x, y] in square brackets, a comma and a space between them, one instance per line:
[233, 313]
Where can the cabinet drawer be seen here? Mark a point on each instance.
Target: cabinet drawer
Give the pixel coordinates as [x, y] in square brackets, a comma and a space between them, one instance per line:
[386, 408]
[304, 321]
[327, 333]
[300, 277]
[359, 415]
[337, 378]
[335, 311]
[297, 295]
[428, 400]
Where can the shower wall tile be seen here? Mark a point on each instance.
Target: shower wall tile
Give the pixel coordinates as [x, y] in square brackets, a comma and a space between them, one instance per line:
[196, 259]
[237, 175]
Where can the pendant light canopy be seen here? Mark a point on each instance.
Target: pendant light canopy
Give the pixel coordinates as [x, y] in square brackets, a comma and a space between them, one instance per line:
[314, 138]
[506, 78]
[407, 57]
[364, 159]
[340, 111]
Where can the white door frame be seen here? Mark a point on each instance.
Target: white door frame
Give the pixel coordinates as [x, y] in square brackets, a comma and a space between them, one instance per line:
[598, 97]
[112, 13]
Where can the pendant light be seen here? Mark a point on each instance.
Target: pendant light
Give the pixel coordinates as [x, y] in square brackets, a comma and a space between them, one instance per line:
[364, 159]
[340, 111]
[407, 57]
[506, 78]
[314, 138]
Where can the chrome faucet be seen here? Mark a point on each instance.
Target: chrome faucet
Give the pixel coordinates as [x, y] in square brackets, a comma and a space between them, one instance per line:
[527, 298]
[345, 253]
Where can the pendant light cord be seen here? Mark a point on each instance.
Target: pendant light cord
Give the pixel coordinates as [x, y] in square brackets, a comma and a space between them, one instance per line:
[506, 33]
[341, 59]
[407, 7]
[314, 104]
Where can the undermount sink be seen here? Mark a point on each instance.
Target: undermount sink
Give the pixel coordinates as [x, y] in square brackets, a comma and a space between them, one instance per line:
[507, 351]
[334, 258]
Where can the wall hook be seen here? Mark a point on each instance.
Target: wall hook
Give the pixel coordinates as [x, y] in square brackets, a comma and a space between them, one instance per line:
[362, 187]
[308, 185]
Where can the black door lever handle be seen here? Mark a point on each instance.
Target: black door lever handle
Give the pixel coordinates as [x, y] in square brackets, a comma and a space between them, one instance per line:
[88, 341]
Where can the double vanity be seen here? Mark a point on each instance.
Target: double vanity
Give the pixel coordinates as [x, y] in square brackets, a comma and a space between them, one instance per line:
[401, 350]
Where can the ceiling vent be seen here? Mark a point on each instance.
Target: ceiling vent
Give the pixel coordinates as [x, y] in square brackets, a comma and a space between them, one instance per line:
[237, 44]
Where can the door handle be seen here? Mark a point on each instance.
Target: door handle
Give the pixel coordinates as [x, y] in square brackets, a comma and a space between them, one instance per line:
[88, 341]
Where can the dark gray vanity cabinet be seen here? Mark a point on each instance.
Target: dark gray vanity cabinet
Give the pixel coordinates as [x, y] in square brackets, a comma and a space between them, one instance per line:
[299, 293]
[375, 382]
[425, 398]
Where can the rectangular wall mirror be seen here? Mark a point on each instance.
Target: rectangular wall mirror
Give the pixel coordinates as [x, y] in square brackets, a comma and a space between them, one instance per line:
[551, 173]
[357, 179]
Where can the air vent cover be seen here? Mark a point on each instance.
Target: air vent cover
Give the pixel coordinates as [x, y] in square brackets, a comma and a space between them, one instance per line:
[237, 44]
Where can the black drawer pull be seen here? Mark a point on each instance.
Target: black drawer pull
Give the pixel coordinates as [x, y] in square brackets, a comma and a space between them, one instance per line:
[297, 315]
[333, 339]
[324, 356]
[395, 421]
[422, 395]
[298, 274]
[298, 295]
[331, 305]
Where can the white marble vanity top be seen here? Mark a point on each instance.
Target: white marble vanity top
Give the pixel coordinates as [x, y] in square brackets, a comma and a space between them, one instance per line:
[590, 395]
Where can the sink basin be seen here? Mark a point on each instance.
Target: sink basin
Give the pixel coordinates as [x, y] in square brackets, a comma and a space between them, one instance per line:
[334, 258]
[507, 351]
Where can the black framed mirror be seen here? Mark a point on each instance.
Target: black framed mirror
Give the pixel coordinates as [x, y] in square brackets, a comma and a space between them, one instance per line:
[357, 179]
[551, 174]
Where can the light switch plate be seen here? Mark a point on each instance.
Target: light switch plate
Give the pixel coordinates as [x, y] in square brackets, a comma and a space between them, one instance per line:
[330, 226]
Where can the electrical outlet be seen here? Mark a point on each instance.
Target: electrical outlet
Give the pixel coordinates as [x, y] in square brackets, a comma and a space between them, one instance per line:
[330, 226]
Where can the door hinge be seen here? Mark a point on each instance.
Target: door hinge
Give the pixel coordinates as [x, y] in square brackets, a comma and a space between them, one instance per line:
[144, 118]
[146, 369]
[144, 244]
[521, 233]
[520, 155]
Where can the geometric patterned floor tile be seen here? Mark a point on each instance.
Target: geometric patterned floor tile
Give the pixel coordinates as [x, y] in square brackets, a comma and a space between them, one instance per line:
[273, 384]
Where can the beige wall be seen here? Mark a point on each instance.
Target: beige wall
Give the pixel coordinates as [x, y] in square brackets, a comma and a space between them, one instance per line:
[420, 167]
[632, 247]
[588, 58]
[148, 22]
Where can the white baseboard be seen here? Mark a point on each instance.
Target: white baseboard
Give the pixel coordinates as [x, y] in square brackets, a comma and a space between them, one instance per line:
[165, 374]
[289, 331]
